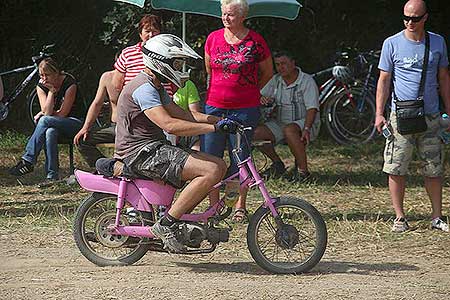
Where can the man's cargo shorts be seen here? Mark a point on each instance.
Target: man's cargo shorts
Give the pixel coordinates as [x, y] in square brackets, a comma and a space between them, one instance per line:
[398, 151]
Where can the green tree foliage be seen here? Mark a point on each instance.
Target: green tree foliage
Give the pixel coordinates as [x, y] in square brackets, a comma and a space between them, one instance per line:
[88, 33]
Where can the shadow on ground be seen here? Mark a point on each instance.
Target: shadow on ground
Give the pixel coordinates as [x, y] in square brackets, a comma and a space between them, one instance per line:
[324, 267]
[346, 267]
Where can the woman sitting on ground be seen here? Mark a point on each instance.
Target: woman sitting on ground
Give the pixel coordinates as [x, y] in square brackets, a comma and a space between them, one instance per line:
[60, 115]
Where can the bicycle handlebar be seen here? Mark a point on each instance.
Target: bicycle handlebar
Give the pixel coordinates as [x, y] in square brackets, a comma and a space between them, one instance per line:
[43, 53]
[45, 47]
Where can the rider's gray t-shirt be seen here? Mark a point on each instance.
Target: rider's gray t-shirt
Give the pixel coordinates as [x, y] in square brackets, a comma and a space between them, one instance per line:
[134, 130]
[404, 58]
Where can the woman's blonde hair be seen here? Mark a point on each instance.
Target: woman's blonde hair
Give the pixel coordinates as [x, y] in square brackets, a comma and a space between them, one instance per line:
[243, 5]
[49, 65]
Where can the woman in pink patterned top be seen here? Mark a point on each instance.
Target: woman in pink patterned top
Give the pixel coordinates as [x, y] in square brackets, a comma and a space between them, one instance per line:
[239, 64]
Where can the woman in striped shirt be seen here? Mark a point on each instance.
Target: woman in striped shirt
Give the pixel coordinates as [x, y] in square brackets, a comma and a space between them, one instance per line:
[130, 62]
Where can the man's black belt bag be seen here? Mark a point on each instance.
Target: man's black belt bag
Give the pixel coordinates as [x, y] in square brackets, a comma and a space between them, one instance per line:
[411, 113]
[410, 116]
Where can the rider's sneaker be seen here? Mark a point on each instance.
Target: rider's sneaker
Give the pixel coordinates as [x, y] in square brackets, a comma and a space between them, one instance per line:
[276, 170]
[23, 167]
[167, 235]
[400, 225]
[439, 224]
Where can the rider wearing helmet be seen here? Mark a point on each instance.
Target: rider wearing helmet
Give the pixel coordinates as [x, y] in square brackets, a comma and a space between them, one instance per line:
[144, 111]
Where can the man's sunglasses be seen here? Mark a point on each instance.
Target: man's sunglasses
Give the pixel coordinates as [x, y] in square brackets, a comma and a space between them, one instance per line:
[413, 19]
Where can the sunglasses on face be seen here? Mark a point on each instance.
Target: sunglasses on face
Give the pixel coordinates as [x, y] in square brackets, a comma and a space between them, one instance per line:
[413, 19]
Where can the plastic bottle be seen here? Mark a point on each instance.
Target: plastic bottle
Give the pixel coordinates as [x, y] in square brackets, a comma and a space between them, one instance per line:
[444, 122]
[231, 193]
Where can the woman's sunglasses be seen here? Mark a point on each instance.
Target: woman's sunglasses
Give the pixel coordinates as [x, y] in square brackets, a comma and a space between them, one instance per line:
[413, 19]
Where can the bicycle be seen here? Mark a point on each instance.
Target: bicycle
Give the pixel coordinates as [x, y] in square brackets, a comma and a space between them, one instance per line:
[347, 97]
[285, 235]
[10, 98]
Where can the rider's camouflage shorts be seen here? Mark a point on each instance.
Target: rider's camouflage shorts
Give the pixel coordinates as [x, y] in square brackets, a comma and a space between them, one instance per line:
[398, 151]
[161, 161]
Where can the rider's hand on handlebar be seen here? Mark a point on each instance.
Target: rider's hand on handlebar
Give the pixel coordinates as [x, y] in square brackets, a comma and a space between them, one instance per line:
[226, 126]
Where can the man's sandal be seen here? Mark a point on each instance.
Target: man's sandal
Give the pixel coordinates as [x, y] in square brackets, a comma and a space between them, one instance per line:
[240, 215]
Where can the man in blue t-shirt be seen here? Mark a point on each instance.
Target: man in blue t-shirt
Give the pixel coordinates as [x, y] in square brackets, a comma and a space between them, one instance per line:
[401, 62]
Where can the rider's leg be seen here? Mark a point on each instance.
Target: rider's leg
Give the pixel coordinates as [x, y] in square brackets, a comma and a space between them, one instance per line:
[292, 134]
[203, 171]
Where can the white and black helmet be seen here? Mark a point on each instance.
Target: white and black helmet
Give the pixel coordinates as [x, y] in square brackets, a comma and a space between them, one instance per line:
[165, 55]
[342, 73]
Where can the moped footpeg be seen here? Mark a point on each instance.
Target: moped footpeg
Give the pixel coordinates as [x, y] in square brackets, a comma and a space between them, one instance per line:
[200, 251]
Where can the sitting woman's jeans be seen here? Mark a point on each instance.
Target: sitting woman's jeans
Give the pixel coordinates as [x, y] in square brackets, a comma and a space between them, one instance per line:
[46, 133]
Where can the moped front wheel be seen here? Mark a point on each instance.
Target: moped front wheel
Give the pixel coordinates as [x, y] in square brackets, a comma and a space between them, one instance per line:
[294, 243]
[92, 218]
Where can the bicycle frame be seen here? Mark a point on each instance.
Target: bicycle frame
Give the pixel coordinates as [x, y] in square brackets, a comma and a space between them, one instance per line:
[142, 194]
[10, 97]
[332, 86]
[20, 87]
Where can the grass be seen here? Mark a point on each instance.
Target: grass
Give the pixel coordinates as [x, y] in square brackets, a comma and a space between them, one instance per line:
[347, 187]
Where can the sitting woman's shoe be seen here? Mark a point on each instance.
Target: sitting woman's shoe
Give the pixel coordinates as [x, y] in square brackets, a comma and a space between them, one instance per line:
[240, 215]
[23, 167]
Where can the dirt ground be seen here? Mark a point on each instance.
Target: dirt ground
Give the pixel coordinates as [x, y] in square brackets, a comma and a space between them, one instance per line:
[44, 263]
[363, 260]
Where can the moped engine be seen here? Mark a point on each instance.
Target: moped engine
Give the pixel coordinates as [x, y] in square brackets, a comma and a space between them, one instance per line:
[193, 234]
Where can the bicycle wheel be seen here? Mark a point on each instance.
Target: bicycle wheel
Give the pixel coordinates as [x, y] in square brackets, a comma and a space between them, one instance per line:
[294, 247]
[33, 106]
[351, 121]
[92, 218]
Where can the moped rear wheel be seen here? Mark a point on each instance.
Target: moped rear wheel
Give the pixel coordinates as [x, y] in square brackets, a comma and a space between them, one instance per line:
[94, 241]
[294, 245]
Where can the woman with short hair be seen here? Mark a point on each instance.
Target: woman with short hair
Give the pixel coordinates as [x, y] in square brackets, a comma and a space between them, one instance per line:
[239, 64]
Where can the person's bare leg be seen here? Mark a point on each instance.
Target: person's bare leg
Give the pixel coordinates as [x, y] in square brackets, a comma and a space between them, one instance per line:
[203, 171]
[397, 191]
[292, 134]
[263, 133]
[433, 186]
[241, 203]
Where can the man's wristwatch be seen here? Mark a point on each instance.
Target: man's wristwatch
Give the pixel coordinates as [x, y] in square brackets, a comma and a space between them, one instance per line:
[307, 129]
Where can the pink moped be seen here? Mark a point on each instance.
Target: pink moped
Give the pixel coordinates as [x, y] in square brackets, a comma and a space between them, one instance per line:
[112, 226]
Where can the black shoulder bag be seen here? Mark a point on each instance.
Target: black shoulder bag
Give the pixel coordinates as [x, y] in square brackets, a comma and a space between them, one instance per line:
[411, 113]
